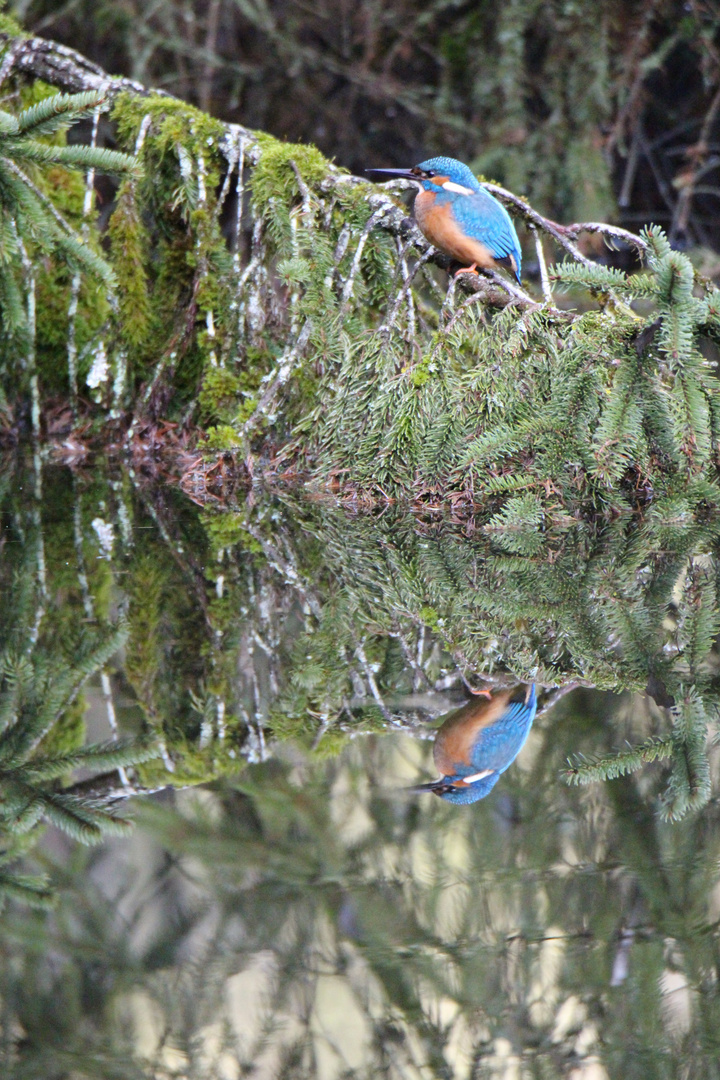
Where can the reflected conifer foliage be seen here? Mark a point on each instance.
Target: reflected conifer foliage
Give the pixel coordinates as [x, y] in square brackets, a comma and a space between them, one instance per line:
[275, 672]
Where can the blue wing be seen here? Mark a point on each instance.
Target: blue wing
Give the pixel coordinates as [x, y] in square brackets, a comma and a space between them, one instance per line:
[481, 216]
[497, 746]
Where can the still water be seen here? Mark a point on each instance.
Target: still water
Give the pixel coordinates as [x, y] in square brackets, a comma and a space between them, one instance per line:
[285, 906]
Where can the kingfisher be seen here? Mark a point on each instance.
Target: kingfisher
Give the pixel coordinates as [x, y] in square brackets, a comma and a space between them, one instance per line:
[477, 743]
[458, 216]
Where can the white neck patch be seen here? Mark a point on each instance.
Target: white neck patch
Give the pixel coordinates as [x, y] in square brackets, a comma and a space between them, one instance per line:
[477, 776]
[457, 188]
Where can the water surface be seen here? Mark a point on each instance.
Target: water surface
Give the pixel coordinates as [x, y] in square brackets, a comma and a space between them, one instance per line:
[284, 906]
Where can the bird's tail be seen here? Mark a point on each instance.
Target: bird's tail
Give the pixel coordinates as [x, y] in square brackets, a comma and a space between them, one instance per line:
[524, 694]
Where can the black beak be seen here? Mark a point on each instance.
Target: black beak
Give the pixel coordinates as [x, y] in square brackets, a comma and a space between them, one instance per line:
[436, 787]
[391, 174]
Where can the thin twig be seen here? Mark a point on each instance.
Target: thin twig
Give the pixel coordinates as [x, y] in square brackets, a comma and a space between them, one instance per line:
[277, 382]
[91, 616]
[544, 278]
[697, 155]
[31, 357]
[374, 219]
[77, 277]
[374, 690]
[41, 606]
[306, 208]
[478, 296]
[555, 695]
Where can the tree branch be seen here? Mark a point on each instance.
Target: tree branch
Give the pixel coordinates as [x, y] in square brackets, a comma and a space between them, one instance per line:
[70, 71]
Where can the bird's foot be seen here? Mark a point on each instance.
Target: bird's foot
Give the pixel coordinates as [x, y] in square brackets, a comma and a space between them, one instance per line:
[466, 270]
[480, 693]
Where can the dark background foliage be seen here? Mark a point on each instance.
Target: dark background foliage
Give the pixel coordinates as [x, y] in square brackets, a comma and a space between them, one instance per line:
[592, 110]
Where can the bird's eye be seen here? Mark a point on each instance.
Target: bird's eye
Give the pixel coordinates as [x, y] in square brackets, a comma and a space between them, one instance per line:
[429, 173]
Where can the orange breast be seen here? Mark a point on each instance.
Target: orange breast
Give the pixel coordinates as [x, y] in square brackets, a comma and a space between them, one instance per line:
[438, 224]
[457, 735]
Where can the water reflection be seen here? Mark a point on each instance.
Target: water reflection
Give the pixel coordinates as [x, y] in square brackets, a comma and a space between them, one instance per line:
[477, 742]
[298, 914]
[298, 921]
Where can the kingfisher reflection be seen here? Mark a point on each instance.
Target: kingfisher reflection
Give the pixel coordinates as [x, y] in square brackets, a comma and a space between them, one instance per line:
[478, 742]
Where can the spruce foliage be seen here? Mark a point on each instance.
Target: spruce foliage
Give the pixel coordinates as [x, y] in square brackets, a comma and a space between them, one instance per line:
[37, 692]
[293, 618]
[28, 217]
[582, 770]
[55, 636]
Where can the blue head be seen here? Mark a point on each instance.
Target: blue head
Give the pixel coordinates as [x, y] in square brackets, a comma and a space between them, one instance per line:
[432, 174]
[435, 171]
[468, 793]
[451, 789]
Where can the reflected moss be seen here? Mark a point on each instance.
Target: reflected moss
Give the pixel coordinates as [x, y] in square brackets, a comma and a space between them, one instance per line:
[294, 620]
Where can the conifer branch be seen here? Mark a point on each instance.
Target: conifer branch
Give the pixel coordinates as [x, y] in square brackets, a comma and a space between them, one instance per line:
[603, 279]
[279, 378]
[108, 755]
[689, 787]
[583, 770]
[32, 890]
[53, 113]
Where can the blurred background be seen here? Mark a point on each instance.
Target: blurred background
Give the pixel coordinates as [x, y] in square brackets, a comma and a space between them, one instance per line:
[590, 110]
[291, 912]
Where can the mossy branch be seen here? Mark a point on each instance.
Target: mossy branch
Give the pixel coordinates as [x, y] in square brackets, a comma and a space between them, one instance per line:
[69, 70]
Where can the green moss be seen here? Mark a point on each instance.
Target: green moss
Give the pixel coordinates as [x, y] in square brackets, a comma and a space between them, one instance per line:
[429, 616]
[220, 438]
[274, 176]
[420, 375]
[332, 743]
[192, 765]
[218, 395]
[53, 293]
[226, 530]
[164, 657]
[142, 658]
[182, 253]
[172, 120]
[130, 247]
[9, 26]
